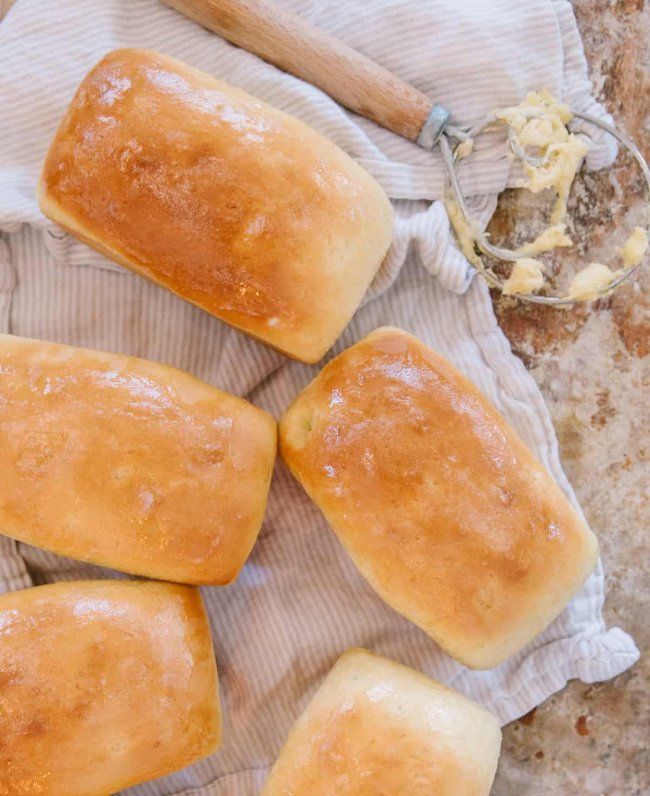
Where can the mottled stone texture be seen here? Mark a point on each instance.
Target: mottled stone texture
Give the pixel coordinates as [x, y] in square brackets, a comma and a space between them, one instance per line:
[591, 363]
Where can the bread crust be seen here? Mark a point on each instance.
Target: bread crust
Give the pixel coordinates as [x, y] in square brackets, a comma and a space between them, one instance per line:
[227, 202]
[103, 684]
[129, 464]
[377, 728]
[439, 502]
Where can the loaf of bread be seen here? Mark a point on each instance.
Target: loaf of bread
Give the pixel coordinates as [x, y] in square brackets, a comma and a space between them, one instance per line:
[103, 684]
[129, 464]
[377, 728]
[440, 504]
[231, 204]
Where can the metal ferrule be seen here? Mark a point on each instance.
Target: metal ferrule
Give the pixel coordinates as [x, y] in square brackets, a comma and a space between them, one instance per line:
[434, 127]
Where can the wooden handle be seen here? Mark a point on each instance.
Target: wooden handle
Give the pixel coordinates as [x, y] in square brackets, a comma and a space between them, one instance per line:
[290, 43]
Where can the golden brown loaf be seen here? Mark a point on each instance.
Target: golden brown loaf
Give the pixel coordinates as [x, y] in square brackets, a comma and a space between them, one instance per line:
[377, 728]
[440, 504]
[229, 203]
[103, 684]
[129, 464]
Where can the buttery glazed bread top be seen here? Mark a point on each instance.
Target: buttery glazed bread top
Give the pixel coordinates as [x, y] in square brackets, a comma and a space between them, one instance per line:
[377, 728]
[231, 204]
[129, 464]
[440, 504]
[103, 684]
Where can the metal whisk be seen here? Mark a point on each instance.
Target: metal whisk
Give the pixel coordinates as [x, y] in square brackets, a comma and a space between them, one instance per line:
[358, 83]
[449, 153]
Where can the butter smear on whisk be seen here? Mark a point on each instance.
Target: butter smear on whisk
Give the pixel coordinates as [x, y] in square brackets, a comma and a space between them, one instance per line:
[540, 122]
[551, 238]
[594, 280]
[527, 276]
[591, 282]
[465, 235]
[634, 248]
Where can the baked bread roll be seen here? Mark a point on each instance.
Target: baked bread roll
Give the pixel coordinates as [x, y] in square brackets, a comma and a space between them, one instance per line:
[129, 464]
[225, 201]
[377, 728]
[103, 684]
[440, 504]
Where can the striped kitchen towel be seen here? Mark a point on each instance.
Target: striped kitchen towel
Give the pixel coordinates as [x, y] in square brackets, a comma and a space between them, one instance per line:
[299, 601]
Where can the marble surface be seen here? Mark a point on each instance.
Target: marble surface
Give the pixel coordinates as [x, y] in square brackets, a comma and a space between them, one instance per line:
[591, 364]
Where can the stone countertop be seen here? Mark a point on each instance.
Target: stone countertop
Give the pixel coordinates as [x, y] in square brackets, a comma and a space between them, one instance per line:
[590, 364]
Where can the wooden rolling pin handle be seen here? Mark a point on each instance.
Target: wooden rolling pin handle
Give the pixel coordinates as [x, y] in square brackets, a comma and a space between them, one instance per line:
[290, 43]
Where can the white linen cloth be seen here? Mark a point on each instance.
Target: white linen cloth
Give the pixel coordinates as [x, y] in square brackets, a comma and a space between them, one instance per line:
[299, 601]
